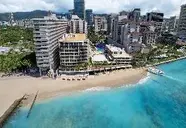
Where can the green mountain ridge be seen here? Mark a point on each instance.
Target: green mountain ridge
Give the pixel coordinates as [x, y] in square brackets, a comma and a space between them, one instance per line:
[23, 15]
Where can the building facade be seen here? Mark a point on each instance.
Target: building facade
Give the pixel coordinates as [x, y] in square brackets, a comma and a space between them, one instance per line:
[89, 17]
[173, 24]
[117, 55]
[79, 8]
[135, 15]
[70, 13]
[114, 28]
[165, 25]
[74, 49]
[131, 38]
[26, 23]
[182, 22]
[157, 18]
[149, 35]
[77, 25]
[47, 31]
[100, 23]
[149, 38]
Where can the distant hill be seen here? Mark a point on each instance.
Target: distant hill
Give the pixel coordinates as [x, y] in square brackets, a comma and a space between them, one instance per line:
[23, 15]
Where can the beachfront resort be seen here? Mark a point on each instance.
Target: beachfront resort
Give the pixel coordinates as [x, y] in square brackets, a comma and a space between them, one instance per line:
[73, 53]
[127, 55]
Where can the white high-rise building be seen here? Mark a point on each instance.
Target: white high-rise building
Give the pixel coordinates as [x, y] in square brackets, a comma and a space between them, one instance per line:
[78, 25]
[182, 22]
[131, 38]
[117, 22]
[100, 23]
[114, 29]
[173, 24]
[47, 31]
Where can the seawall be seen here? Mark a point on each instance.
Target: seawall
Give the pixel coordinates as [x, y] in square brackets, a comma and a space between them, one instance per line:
[168, 61]
[10, 111]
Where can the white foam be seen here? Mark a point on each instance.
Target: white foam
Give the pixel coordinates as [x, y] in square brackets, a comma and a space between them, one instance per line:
[142, 81]
[97, 89]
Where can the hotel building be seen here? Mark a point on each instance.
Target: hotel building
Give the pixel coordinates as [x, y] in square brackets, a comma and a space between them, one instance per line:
[149, 38]
[147, 30]
[100, 23]
[78, 25]
[117, 55]
[74, 49]
[47, 31]
[182, 22]
[131, 38]
[157, 18]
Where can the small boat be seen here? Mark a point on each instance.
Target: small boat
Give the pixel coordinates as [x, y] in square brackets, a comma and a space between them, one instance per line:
[155, 71]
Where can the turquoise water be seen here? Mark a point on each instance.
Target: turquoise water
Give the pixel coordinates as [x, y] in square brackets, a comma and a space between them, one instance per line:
[160, 102]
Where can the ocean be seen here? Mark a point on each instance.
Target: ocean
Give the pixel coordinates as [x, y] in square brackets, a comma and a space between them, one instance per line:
[154, 102]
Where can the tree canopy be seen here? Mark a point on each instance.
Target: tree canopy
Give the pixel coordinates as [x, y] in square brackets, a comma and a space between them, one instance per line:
[16, 38]
[14, 35]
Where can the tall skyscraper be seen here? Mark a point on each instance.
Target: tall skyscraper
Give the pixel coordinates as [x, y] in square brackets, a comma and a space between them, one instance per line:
[182, 22]
[89, 17]
[79, 8]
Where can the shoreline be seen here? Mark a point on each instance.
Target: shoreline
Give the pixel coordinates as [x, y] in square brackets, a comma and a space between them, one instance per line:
[166, 62]
[13, 89]
[95, 88]
[93, 83]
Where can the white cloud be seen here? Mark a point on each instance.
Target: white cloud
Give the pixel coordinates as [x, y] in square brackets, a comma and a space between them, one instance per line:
[169, 7]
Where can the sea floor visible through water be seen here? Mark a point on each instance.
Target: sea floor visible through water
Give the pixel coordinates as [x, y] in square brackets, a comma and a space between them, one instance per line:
[156, 102]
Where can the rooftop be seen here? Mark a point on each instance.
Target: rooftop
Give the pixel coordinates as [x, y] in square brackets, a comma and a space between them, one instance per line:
[99, 58]
[51, 17]
[75, 17]
[73, 38]
[117, 51]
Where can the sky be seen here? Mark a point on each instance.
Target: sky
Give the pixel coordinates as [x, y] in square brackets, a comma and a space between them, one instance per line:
[169, 7]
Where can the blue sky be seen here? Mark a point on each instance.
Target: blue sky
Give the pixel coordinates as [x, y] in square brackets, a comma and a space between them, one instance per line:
[169, 7]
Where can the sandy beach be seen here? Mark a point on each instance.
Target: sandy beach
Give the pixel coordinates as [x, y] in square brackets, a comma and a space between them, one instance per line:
[13, 88]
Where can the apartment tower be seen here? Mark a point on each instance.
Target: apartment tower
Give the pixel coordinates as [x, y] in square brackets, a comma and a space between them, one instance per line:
[47, 31]
[78, 25]
[74, 50]
[182, 22]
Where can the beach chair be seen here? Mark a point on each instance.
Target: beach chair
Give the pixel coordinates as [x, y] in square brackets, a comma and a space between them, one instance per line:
[68, 79]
